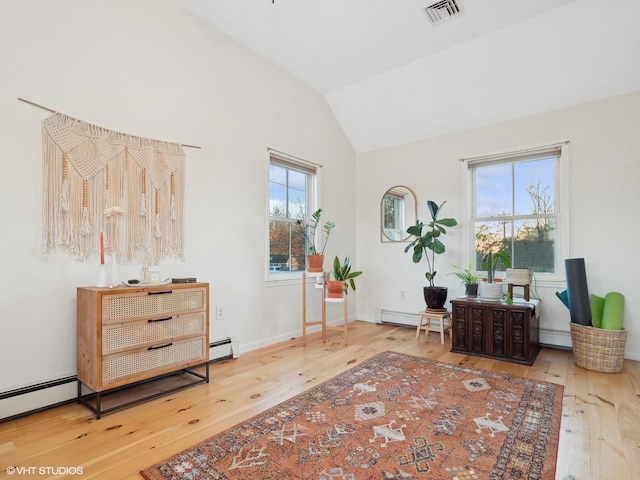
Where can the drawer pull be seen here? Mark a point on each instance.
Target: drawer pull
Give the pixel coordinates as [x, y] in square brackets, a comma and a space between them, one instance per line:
[160, 293]
[153, 320]
[156, 347]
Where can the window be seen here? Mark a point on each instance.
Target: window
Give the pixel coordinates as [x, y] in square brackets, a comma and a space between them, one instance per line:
[515, 207]
[291, 198]
[393, 215]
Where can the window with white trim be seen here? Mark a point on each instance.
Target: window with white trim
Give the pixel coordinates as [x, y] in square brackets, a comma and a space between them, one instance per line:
[292, 186]
[393, 207]
[516, 206]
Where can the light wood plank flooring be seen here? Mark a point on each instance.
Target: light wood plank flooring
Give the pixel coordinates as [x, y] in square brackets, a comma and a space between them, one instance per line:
[600, 432]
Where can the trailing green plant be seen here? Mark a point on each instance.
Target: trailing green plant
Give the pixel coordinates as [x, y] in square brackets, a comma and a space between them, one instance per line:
[465, 275]
[508, 298]
[427, 245]
[307, 230]
[490, 262]
[342, 272]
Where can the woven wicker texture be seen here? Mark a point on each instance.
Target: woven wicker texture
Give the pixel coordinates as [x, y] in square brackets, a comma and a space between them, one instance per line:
[118, 337]
[119, 307]
[598, 349]
[116, 367]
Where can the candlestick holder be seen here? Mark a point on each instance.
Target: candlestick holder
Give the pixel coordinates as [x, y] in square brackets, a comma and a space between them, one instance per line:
[113, 271]
[102, 276]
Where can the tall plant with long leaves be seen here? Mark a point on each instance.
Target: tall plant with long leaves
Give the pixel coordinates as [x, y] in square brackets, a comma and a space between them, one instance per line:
[342, 272]
[308, 232]
[490, 263]
[428, 244]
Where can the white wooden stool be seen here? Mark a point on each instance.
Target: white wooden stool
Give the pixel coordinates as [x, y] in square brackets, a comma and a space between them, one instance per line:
[434, 322]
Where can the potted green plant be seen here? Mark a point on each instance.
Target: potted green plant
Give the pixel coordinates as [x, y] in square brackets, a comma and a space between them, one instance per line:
[427, 245]
[343, 278]
[491, 289]
[491, 260]
[315, 254]
[468, 279]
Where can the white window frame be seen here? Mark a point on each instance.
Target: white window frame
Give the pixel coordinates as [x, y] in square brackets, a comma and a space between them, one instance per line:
[561, 203]
[312, 196]
[398, 233]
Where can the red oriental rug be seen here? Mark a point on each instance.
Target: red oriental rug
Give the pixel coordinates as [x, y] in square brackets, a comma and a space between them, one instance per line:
[394, 416]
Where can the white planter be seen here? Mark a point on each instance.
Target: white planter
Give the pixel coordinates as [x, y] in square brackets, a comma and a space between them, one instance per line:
[490, 291]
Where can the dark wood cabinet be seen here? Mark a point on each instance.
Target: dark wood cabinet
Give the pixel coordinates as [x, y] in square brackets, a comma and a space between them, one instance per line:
[496, 329]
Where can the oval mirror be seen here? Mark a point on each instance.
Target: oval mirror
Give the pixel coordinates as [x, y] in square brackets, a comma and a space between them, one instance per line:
[397, 213]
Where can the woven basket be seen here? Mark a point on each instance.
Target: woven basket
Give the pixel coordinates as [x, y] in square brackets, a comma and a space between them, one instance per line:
[598, 349]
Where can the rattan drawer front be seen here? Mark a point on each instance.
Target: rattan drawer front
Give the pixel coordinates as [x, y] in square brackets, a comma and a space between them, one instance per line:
[117, 337]
[178, 353]
[122, 307]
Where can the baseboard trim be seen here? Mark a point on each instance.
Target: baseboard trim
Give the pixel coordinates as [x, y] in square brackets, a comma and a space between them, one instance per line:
[30, 399]
[37, 410]
[38, 386]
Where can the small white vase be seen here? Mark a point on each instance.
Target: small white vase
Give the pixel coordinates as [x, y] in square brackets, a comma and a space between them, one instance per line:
[490, 291]
[113, 271]
[102, 276]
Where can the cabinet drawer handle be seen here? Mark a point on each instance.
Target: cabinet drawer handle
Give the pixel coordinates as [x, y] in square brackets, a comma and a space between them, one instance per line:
[153, 320]
[160, 293]
[156, 347]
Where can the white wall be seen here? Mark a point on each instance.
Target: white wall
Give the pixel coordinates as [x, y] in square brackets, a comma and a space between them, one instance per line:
[148, 68]
[603, 190]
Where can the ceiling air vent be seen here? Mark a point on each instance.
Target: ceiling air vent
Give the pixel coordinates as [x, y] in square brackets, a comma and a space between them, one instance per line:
[442, 11]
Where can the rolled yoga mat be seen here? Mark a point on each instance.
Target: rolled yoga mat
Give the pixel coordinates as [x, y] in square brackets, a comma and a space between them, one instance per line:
[613, 311]
[577, 291]
[597, 307]
[563, 297]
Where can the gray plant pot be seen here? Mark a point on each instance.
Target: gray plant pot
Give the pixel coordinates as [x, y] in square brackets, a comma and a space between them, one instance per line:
[471, 289]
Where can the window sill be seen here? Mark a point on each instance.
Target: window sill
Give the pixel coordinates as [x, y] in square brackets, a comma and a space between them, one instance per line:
[283, 279]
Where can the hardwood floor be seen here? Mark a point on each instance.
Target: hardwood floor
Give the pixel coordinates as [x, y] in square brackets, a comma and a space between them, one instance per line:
[599, 439]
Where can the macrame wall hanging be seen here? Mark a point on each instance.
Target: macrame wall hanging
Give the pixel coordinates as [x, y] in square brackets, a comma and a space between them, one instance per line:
[129, 188]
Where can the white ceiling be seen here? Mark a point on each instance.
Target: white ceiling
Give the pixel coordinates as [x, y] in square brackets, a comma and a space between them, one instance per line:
[391, 77]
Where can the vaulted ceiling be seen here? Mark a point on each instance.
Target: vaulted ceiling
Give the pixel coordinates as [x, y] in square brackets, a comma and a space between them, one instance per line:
[391, 76]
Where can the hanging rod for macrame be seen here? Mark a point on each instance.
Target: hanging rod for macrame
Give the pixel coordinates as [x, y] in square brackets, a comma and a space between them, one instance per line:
[55, 111]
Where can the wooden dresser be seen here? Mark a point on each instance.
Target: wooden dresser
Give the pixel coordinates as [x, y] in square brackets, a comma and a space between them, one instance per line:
[496, 329]
[127, 335]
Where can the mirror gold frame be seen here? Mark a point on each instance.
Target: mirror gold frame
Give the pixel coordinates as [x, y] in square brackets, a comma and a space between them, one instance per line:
[397, 213]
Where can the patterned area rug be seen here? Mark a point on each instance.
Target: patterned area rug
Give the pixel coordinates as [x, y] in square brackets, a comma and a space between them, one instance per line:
[394, 416]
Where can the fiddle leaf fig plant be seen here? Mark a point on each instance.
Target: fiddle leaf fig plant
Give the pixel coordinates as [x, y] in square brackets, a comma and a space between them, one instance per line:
[429, 243]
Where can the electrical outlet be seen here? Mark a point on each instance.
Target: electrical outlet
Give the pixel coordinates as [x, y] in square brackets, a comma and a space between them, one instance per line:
[219, 313]
[402, 295]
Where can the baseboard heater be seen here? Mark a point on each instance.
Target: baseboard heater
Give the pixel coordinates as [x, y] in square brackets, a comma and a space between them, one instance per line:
[394, 317]
[42, 396]
[228, 347]
[38, 397]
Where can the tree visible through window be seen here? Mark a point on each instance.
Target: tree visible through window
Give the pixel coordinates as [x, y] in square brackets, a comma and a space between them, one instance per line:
[515, 209]
[290, 188]
[393, 215]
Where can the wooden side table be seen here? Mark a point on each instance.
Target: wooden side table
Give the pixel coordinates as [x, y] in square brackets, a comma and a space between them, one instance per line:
[526, 290]
[345, 325]
[434, 322]
[309, 323]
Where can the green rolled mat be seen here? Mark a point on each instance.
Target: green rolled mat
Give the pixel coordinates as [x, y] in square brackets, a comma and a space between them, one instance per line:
[597, 308]
[613, 311]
